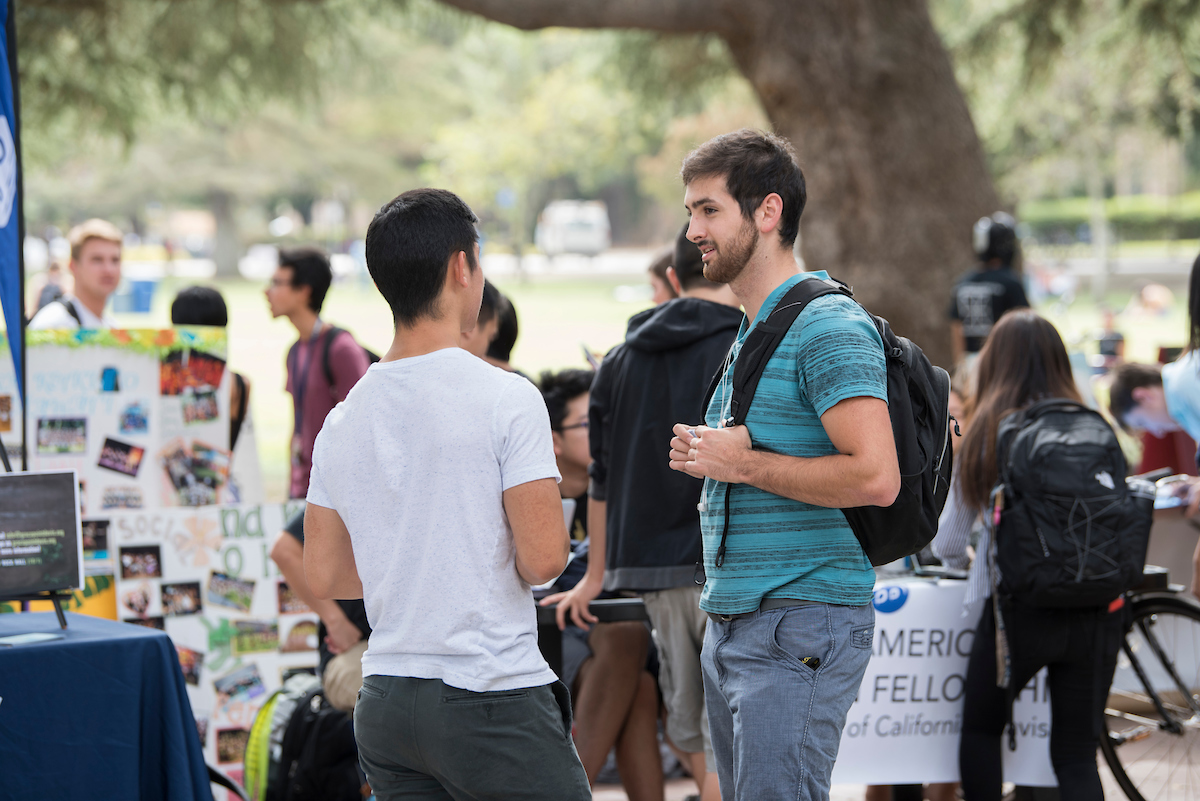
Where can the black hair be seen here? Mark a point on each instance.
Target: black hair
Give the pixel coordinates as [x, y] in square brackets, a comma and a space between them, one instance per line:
[1125, 379]
[310, 267]
[409, 245]
[1001, 243]
[490, 304]
[506, 332]
[199, 305]
[689, 267]
[754, 164]
[1194, 306]
[559, 389]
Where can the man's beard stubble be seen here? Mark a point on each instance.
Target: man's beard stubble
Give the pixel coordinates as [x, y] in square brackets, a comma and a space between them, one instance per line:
[732, 259]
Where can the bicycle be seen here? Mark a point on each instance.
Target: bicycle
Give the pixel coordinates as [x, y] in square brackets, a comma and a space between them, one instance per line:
[1152, 716]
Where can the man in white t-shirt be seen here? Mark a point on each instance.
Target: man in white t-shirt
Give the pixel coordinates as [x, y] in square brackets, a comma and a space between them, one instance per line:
[433, 497]
[96, 267]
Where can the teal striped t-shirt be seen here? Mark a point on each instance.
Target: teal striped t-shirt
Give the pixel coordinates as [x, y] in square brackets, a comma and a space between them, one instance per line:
[778, 547]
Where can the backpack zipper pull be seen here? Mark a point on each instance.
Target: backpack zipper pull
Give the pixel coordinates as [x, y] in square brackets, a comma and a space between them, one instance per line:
[998, 506]
[957, 433]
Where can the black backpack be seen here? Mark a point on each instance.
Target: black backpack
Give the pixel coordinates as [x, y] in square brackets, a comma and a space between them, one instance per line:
[919, 407]
[318, 756]
[1072, 531]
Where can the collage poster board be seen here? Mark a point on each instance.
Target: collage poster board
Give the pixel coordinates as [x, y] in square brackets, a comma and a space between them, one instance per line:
[41, 543]
[142, 415]
[205, 577]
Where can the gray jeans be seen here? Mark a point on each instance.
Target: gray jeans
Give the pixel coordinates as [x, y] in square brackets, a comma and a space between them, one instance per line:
[422, 739]
[776, 719]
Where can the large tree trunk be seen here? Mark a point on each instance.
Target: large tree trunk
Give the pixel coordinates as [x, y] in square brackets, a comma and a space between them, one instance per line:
[865, 91]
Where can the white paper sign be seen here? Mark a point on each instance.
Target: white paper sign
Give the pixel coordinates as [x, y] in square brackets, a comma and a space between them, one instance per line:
[904, 727]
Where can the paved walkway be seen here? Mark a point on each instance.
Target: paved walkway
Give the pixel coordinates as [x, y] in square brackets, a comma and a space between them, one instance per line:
[679, 789]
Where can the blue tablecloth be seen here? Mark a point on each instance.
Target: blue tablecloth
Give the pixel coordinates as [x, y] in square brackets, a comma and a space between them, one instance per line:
[102, 713]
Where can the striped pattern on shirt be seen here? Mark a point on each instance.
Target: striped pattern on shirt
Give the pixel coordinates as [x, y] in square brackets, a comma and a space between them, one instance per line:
[778, 547]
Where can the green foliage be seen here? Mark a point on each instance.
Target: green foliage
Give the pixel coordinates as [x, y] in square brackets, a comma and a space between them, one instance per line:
[1054, 85]
[1131, 216]
[112, 65]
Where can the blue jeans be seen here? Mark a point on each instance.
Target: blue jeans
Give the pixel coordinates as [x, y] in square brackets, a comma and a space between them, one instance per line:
[777, 721]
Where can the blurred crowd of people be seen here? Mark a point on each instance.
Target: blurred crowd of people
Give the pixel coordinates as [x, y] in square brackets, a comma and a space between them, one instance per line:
[632, 518]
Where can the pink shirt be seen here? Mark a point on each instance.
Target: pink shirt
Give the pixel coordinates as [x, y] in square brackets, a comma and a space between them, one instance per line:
[347, 362]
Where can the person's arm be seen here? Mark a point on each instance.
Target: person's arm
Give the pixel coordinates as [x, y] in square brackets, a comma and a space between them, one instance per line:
[329, 564]
[954, 530]
[575, 601]
[288, 555]
[534, 511]
[864, 472]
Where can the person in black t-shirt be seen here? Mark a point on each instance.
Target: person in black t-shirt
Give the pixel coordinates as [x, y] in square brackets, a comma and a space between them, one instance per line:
[984, 295]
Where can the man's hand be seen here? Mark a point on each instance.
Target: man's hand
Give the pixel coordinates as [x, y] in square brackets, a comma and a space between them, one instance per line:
[716, 453]
[342, 634]
[575, 601]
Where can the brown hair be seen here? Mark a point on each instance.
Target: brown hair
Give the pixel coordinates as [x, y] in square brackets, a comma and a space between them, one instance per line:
[1125, 379]
[658, 268]
[92, 229]
[1023, 361]
[754, 164]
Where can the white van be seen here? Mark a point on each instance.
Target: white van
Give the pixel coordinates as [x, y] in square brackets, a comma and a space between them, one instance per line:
[573, 226]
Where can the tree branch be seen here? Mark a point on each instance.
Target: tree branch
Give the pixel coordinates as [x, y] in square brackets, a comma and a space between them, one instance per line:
[671, 16]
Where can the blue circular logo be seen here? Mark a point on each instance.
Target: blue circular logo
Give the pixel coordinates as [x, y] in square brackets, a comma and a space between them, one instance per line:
[890, 599]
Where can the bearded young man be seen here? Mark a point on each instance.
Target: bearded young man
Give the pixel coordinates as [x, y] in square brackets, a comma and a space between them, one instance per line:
[790, 616]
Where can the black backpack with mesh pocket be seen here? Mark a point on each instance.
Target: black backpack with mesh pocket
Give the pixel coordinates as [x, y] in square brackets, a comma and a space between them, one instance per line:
[1071, 531]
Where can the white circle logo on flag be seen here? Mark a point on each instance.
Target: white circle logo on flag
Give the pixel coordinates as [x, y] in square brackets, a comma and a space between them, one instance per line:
[8, 173]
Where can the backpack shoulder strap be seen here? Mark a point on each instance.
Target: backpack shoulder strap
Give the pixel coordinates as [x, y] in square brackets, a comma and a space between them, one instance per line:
[71, 310]
[765, 337]
[328, 336]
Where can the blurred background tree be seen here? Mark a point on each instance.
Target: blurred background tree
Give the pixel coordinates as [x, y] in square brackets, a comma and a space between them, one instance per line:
[257, 110]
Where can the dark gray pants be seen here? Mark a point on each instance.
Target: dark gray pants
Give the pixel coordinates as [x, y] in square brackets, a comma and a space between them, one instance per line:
[422, 739]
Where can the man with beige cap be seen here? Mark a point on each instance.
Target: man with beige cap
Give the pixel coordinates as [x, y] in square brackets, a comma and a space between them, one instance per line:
[96, 267]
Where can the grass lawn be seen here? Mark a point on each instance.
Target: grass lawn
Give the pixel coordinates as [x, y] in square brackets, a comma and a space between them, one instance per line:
[558, 316]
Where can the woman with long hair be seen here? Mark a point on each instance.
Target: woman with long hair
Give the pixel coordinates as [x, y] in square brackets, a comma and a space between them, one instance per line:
[1024, 361]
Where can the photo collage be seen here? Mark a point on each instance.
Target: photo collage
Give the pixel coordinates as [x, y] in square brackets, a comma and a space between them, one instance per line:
[238, 629]
[156, 427]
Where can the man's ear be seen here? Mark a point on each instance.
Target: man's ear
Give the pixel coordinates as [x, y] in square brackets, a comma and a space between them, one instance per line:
[1141, 394]
[673, 280]
[460, 268]
[557, 438]
[769, 213]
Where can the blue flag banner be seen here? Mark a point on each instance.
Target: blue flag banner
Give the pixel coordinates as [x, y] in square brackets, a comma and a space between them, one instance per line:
[10, 240]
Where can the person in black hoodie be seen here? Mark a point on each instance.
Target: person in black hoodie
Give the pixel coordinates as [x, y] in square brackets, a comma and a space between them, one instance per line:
[650, 540]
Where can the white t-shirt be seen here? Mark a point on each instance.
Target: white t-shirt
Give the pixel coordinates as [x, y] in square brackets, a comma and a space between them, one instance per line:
[55, 315]
[415, 461]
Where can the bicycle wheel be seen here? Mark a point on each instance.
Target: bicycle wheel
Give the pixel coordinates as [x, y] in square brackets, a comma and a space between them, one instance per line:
[1152, 716]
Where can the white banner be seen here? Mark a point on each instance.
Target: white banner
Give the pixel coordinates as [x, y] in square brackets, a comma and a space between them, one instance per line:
[904, 727]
